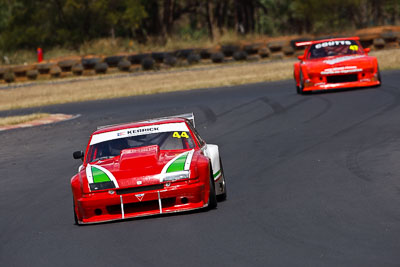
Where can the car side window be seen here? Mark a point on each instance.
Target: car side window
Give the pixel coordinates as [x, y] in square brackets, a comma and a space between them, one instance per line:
[197, 135]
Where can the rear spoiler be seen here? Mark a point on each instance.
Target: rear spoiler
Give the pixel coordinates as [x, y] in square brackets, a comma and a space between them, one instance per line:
[188, 116]
[306, 43]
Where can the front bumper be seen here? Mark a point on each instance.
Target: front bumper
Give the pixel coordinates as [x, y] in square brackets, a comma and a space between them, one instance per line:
[103, 206]
[341, 85]
[325, 81]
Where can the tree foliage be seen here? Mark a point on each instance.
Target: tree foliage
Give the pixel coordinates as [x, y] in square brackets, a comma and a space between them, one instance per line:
[48, 23]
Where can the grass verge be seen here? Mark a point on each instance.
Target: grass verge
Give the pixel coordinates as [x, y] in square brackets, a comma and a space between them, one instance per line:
[13, 120]
[163, 81]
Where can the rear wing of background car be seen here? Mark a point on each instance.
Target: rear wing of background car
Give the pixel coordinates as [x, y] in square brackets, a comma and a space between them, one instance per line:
[188, 116]
[307, 43]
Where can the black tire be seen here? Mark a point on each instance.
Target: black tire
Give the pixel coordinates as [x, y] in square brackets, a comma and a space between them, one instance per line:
[222, 197]
[101, 68]
[124, 65]
[66, 65]
[240, 55]
[217, 57]
[90, 63]
[112, 61]
[75, 217]
[229, 49]
[212, 198]
[77, 69]
[32, 74]
[9, 77]
[170, 61]
[300, 88]
[148, 63]
[193, 58]
[379, 78]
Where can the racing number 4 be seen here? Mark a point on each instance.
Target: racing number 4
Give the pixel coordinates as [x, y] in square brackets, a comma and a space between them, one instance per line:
[182, 135]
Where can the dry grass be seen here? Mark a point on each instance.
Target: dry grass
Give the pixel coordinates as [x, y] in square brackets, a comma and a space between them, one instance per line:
[162, 81]
[21, 119]
[388, 59]
[147, 83]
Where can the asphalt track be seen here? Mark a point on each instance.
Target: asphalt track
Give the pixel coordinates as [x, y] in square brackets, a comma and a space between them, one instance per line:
[313, 180]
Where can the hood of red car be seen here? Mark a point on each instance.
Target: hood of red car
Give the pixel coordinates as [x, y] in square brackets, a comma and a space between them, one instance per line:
[137, 166]
[353, 61]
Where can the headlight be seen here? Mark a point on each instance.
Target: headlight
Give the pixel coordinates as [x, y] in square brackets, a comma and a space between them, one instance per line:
[173, 176]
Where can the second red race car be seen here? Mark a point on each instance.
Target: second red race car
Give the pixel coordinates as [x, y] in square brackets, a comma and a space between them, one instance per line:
[333, 64]
[146, 168]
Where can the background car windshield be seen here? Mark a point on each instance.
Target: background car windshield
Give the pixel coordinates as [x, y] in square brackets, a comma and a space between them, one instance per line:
[165, 140]
[335, 48]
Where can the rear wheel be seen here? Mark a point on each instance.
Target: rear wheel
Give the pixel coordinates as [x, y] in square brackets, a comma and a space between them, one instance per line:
[212, 198]
[222, 196]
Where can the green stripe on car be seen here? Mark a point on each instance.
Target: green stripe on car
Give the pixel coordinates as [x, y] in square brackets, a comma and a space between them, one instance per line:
[99, 176]
[178, 164]
[217, 174]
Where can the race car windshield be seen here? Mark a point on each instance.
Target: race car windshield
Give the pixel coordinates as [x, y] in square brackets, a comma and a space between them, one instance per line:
[175, 140]
[334, 48]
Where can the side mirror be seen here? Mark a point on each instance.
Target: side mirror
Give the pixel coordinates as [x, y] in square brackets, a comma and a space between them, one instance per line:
[367, 50]
[78, 155]
[301, 57]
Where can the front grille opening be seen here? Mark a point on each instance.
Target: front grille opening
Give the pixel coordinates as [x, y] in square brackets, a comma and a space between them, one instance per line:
[139, 189]
[342, 78]
[144, 206]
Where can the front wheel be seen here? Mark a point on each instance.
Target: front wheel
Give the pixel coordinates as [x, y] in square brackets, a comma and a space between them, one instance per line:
[212, 198]
[300, 88]
[75, 217]
[379, 78]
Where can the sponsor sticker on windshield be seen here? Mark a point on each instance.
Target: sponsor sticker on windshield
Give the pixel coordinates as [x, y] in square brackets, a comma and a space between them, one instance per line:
[162, 128]
[332, 43]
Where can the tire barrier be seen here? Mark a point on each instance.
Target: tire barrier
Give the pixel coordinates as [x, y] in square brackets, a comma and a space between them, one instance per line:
[77, 69]
[276, 46]
[159, 56]
[32, 74]
[66, 65]
[44, 68]
[217, 57]
[2, 72]
[101, 68]
[138, 58]
[112, 61]
[124, 65]
[288, 50]
[183, 53]
[379, 43]
[9, 77]
[170, 61]
[378, 38]
[55, 71]
[229, 49]
[90, 63]
[252, 49]
[205, 53]
[193, 58]
[148, 63]
[264, 52]
[240, 55]
[20, 71]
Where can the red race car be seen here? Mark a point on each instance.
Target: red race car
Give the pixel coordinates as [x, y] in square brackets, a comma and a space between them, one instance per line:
[146, 168]
[333, 64]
